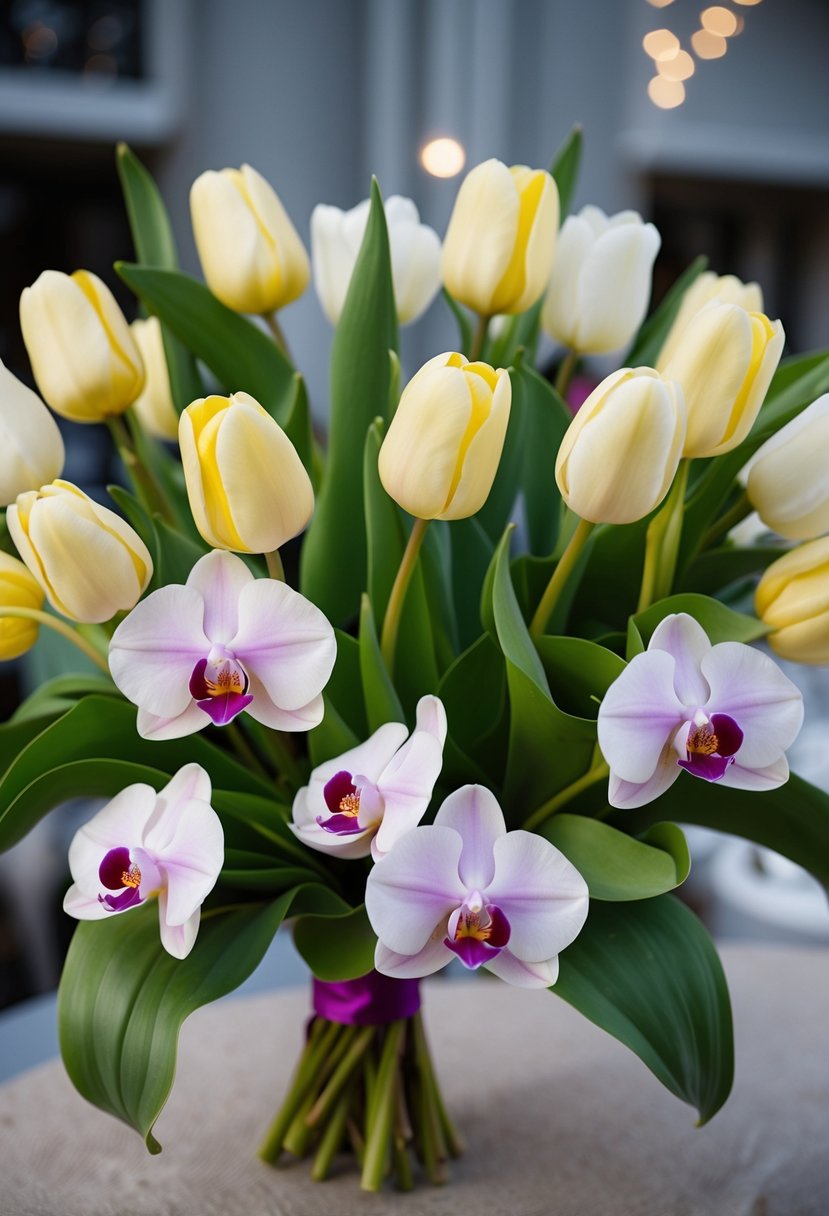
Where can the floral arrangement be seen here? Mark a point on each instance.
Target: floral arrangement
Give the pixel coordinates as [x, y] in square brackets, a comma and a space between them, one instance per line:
[462, 716]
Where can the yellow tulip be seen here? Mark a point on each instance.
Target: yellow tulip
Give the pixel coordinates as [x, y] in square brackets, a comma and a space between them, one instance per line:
[706, 287]
[787, 482]
[251, 255]
[499, 247]
[154, 406]
[441, 453]
[89, 562]
[247, 486]
[17, 590]
[724, 363]
[622, 450]
[84, 359]
[793, 598]
[31, 448]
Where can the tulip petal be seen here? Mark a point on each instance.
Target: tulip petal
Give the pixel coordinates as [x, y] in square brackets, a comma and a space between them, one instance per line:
[541, 893]
[749, 686]
[639, 713]
[153, 652]
[523, 975]
[177, 940]
[559, 315]
[332, 258]
[474, 813]
[415, 887]
[615, 286]
[481, 236]
[120, 823]
[219, 577]
[686, 640]
[482, 456]
[415, 268]
[434, 955]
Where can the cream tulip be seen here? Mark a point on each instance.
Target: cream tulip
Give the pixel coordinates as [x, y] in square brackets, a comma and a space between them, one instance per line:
[247, 486]
[154, 406]
[601, 281]
[724, 364]
[499, 247]
[89, 562]
[441, 453]
[336, 237]
[83, 356]
[788, 482]
[622, 450]
[727, 288]
[250, 252]
[17, 590]
[31, 448]
[793, 599]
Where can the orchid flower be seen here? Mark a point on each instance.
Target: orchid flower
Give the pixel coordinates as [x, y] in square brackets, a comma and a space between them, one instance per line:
[141, 844]
[466, 887]
[221, 643]
[362, 801]
[724, 713]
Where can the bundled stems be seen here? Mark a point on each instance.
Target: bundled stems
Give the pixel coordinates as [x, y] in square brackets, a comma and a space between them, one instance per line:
[394, 609]
[559, 578]
[662, 543]
[63, 628]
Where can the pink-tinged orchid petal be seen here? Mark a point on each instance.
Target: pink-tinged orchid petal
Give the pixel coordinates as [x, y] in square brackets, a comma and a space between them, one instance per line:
[434, 955]
[120, 823]
[154, 650]
[406, 786]
[177, 940]
[523, 975]
[473, 811]
[285, 641]
[542, 895]
[686, 640]
[191, 860]
[415, 888]
[749, 686]
[262, 708]
[156, 726]
[768, 778]
[84, 907]
[625, 795]
[219, 577]
[190, 783]
[369, 758]
[638, 713]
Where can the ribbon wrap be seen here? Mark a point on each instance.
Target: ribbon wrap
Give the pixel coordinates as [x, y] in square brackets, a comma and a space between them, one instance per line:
[371, 1000]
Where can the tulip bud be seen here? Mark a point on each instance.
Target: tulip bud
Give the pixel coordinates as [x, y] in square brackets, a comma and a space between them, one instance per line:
[251, 255]
[247, 486]
[498, 250]
[154, 406]
[601, 281]
[787, 481]
[724, 364]
[336, 237]
[728, 289]
[89, 562]
[31, 448]
[441, 453]
[84, 359]
[793, 599]
[17, 590]
[621, 451]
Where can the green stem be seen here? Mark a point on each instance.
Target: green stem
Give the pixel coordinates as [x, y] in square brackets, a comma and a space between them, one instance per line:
[479, 339]
[61, 627]
[244, 749]
[733, 516]
[565, 373]
[277, 334]
[427, 1072]
[548, 808]
[662, 543]
[320, 1039]
[332, 1137]
[356, 1044]
[143, 481]
[381, 1114]
[276, 570]
[559, 578]
[394, 609]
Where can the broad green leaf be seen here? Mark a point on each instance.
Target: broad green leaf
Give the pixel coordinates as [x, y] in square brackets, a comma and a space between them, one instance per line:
[173, 551]
[344, 686]
[716, 569]
[298, 426]
[546, 418]
[616, 866]
[333, 565]
[247, 870]
[381, 701]
[647, 973]
[332, 737]
[651, 337]
[474, 694]
[337, 947]
[579, 672]
[565, 169]
[721, 624]
[471, 555]
[57, 695]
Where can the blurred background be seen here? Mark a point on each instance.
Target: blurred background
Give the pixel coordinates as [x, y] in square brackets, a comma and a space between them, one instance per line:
[711, 121]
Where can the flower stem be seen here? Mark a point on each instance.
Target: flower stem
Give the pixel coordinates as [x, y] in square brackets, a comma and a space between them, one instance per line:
[65, 630]
[479, 338]
[548, 808]
[276, 570]
[144, 482]
[734, 515]
[560, 576]
[244, 749]
[381, 1113]
[277, 334]
[394, 609]
[662, 543]
[565, 373]
[320, 1039]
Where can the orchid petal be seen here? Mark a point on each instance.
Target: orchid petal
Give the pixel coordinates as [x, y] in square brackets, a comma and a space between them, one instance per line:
[684, 638]
[154, 650]
[219, 577]
[771, 777]
[316, 837]
[190, 783]
[120, 823]
[82, 906]
[434, 955]
[263, 709]
[158, 726]
[177, 940]
[473, 811]
[749, 686]
[406, 785]
[625, 795]
[191, 860]
[415, 887]
[523, 975]
[369, 758]
[472, 952]
[541, 893]
[639, 712]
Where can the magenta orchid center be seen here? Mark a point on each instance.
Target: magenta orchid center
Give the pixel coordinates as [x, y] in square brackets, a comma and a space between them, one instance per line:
[219, 685]
[478, 931]
[711, 746]
[354, 802]
[118, 872]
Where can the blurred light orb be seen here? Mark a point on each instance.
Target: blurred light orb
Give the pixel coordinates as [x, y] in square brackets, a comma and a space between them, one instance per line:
[660, 44]
[679, 67]
[741, 25]
[707, 45]
[718, 20]
[444, 157]
[660, 3]
[39, 40]
[667, 94]
[747, 3]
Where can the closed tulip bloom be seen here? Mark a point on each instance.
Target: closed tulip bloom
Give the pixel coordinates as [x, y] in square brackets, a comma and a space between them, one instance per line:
[89, 562]
[247, 486]
[788, 483]
[499, 247]
[18, 589]
[336, 237]
[621, 451]
[724, 364]
[83, 356]
[441, 452]
[601, 281]
[727, 288]
[154, 406]
[250, 252]
[793, 599]
[31, 448]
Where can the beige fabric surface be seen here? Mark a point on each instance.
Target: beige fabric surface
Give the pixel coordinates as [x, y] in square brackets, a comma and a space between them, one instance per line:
[559, 1119]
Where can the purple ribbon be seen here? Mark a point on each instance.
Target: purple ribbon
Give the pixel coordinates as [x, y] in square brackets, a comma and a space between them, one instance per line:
[371, 1000]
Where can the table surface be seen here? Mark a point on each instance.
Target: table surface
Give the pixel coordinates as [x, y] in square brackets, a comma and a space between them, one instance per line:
[559, 1119]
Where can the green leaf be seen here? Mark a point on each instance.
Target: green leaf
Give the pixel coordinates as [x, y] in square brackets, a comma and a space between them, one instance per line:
[381, 700]
[337, 947]
[333, 562]
[474, 694]
[716, 569]
[616, 866]
[174, 553]
[565, 169]
[579, 672]
[647, 973]
[57, 695]
[651, 337]
[721, 624]
[545, 420]
[471, 555]
[298, 426]
[463, 320]
[344, 723]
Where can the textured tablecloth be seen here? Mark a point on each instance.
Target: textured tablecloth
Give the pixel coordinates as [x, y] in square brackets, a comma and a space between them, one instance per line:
[559, 1119]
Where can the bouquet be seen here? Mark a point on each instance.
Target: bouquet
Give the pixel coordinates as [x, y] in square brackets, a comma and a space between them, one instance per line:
[443, 689]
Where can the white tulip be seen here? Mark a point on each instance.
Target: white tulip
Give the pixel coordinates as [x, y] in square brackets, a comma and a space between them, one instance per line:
[788, 483]
[31, 448]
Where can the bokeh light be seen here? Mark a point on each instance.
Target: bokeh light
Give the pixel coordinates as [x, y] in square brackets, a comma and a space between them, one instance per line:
[660, 44]
[719, 20]
[443, 157]
[707, 45]
[667, 94]
[679, 67]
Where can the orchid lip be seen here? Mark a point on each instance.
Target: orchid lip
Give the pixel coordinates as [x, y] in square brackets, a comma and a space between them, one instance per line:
[219, 685]
[343, 800]
[711, 747]
[118, 872]
[478, 932]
